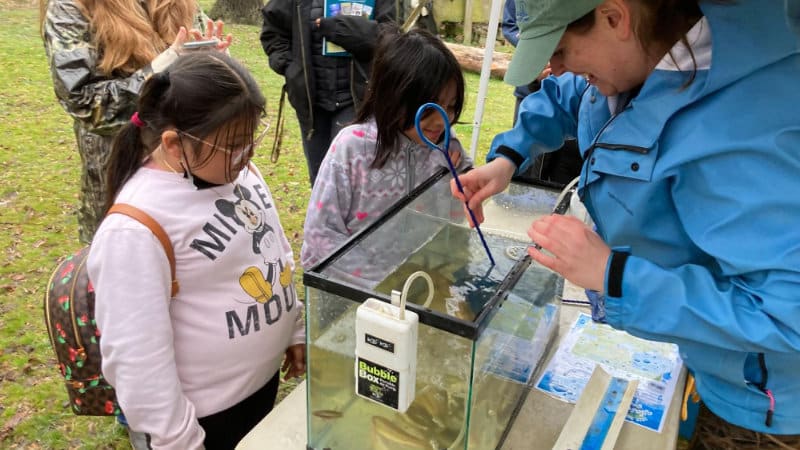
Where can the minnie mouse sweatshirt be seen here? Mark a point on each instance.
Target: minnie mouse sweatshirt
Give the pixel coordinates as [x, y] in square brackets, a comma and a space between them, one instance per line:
[223, 336]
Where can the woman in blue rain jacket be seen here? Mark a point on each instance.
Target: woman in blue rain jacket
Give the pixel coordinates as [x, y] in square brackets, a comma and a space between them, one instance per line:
[692, 178]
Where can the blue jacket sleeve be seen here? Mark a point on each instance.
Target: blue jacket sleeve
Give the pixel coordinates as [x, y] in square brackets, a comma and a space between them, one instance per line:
[732, 314]
[546, 118]
[746, 298]
[509, 25]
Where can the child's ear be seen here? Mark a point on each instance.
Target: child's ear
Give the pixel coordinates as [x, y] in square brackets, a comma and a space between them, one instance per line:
[171, 143]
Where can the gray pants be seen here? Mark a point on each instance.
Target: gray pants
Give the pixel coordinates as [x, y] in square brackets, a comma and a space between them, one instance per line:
[139, 441]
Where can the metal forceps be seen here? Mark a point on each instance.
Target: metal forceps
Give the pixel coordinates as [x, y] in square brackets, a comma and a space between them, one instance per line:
[446, 142]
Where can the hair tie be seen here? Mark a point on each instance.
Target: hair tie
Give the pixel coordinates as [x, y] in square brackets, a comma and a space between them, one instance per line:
[136, 120]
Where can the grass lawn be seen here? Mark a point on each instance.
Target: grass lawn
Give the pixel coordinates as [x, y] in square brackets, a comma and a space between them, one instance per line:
[39, 172]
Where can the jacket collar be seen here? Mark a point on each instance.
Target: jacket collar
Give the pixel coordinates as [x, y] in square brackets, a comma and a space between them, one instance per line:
[733, 31]
[756, 29]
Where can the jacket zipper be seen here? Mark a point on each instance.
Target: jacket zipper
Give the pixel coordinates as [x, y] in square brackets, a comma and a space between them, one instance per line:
[305, 74]
[354, 65]
[586, 198]
[762, 386]
[353, 83]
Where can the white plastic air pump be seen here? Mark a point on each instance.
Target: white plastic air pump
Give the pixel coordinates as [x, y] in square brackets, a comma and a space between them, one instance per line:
[386, 349]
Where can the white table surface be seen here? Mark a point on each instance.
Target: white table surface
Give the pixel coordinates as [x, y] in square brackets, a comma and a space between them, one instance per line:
[537, 425]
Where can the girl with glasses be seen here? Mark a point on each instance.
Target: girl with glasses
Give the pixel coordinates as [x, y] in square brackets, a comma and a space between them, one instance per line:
[199, 369]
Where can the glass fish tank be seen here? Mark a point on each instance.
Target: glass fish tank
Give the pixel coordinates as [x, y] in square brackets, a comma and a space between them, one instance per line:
[481, 337]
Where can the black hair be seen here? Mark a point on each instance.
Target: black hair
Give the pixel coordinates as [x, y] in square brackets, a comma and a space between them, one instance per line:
[409, 70]
[200, 93]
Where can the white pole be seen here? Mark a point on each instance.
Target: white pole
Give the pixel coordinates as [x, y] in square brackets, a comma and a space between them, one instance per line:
[491, 38]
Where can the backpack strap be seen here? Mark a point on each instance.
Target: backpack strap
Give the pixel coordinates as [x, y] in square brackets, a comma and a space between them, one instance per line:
[145, 219]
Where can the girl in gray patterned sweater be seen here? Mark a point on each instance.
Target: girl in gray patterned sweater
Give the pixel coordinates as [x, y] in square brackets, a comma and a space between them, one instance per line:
[380, 158]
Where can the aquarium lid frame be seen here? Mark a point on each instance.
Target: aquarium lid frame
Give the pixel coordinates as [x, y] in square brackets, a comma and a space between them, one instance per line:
[471, 330]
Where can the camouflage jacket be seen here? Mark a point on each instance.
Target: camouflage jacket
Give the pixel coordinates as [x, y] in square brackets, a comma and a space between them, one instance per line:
[99, 103]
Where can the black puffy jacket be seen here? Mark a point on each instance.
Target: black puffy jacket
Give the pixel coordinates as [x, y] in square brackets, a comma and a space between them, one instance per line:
[294, 52]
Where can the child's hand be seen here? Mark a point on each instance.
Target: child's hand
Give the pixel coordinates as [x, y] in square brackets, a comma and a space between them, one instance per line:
[294, 364]
[483, 182]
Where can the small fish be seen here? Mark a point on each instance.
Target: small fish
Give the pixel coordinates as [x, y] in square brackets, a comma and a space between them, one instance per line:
[327, 413]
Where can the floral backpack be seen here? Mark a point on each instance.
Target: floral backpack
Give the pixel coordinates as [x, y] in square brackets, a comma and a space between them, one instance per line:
[69, 316]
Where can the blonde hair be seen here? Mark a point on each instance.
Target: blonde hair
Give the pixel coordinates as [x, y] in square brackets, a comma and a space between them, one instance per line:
[128, 34]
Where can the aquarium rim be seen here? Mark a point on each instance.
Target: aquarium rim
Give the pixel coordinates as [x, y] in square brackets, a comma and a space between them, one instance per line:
[472, 330]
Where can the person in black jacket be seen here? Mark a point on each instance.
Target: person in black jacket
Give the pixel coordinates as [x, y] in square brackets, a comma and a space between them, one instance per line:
[324, 90]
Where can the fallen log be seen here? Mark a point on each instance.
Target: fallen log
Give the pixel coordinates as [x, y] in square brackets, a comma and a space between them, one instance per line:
[471, 59]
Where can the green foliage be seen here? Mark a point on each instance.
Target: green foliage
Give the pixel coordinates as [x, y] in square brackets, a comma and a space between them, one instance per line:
[39, 172]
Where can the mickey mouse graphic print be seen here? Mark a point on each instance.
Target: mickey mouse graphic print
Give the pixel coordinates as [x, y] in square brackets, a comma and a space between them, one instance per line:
[226, 331]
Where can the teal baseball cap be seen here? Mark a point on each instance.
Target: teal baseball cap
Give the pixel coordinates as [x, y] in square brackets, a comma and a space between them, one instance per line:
[541, 24]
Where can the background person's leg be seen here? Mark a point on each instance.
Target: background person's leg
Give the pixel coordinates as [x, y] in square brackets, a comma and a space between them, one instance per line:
[327, 125]
[94, 151]
[139, 441]
[316, 147]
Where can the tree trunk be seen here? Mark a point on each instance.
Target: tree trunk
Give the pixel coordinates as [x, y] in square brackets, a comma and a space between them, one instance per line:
[471, 59]
[237, 11]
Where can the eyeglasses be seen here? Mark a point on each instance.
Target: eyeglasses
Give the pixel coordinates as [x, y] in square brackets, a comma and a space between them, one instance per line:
[240, 152]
